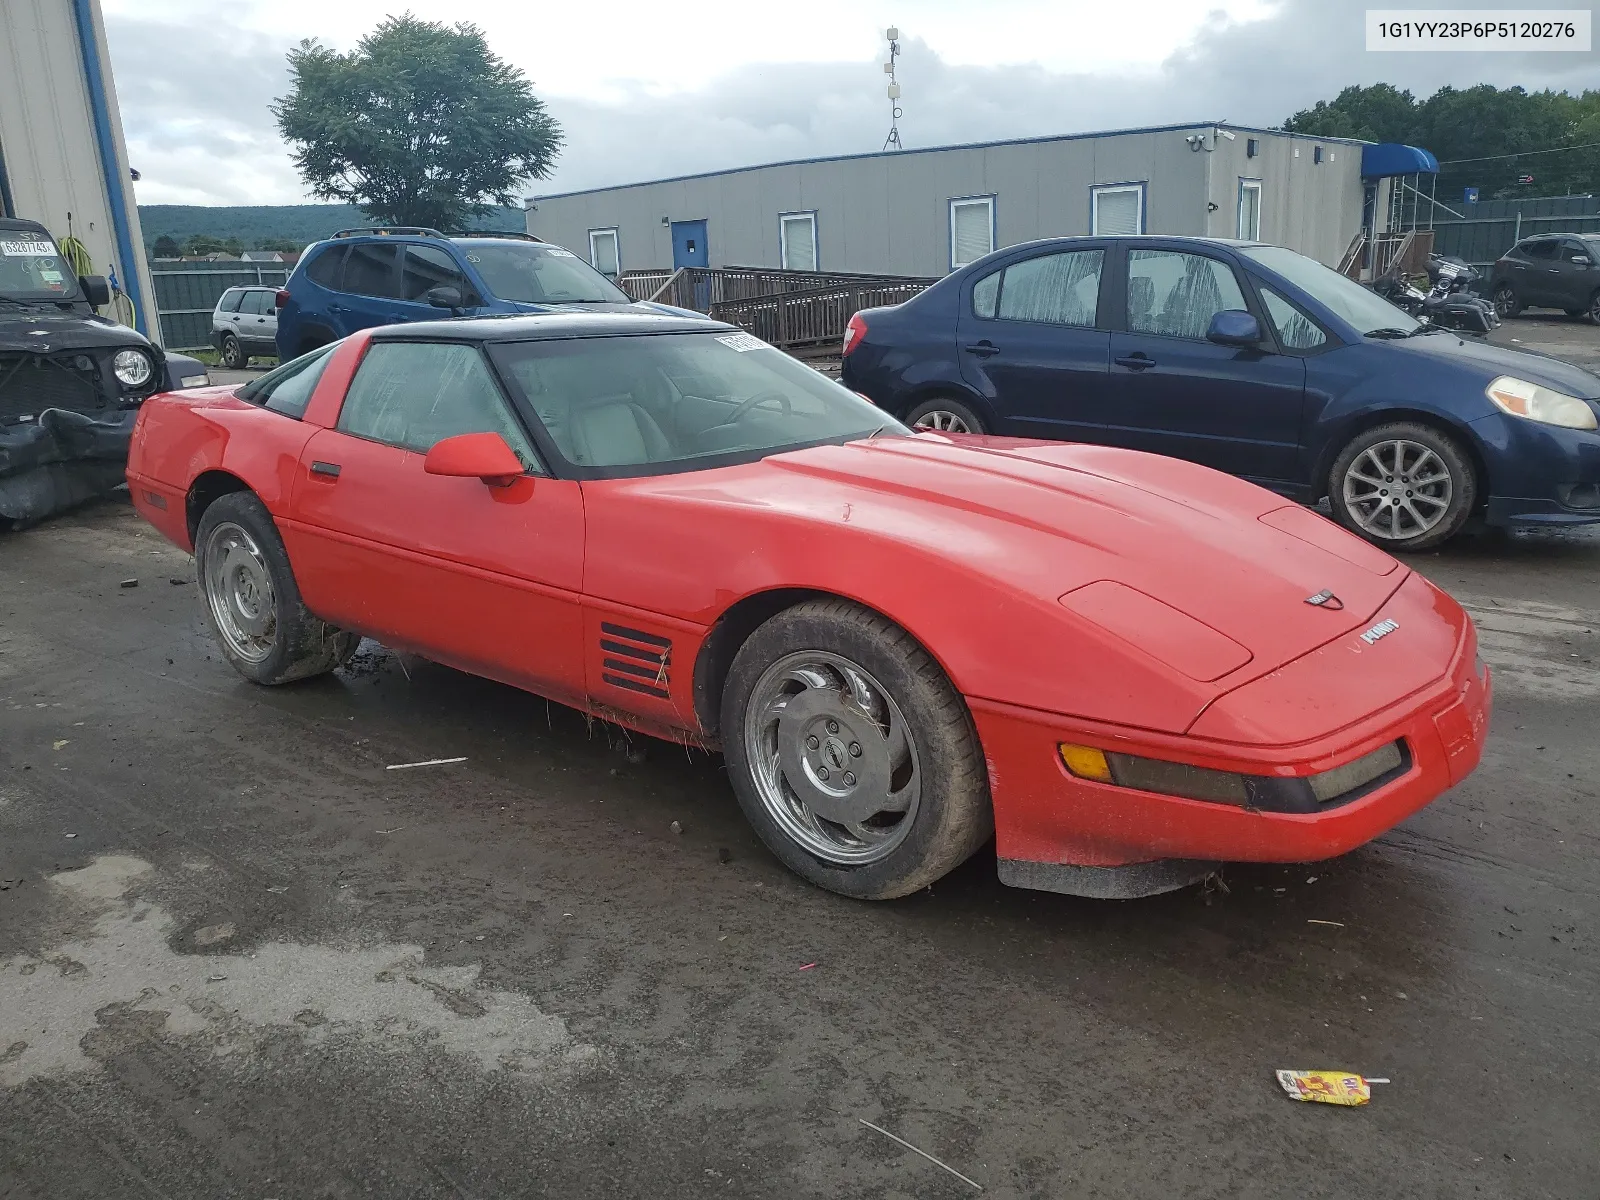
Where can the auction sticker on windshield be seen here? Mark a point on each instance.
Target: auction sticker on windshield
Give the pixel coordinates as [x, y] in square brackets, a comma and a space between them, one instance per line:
[27, 249]
[742, 342]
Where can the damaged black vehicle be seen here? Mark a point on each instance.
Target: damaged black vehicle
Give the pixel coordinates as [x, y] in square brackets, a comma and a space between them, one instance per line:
[71, 381]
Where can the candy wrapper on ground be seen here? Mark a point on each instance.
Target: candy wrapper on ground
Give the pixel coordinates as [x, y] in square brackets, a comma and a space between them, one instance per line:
[1326, 1087]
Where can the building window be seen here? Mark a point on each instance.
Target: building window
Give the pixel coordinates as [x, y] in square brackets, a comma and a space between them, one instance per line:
[1116, 210]
[1250, 209]
[1252, 147]
[797, 241]
[1316, 154]
[604, 255]
[971, 229]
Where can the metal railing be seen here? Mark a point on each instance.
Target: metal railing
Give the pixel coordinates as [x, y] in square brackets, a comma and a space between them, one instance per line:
[815, 317]
[187, 294]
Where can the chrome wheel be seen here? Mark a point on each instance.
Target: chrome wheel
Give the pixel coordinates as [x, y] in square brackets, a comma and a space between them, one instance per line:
[1505, 301]
[1398, 490]
[941, 421]
[832, 759]
[239, 591]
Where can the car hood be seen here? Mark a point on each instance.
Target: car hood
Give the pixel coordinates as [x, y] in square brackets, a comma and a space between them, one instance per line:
[46, 332]
[1491, 361]
[619, 307]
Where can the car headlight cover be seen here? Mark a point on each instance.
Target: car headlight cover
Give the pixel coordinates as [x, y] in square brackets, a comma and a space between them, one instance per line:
[133, 367]
[1538, 403]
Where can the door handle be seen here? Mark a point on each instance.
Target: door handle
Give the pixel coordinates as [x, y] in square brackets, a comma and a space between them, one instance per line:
[983, 349]
[326, 469]
[1135, 362]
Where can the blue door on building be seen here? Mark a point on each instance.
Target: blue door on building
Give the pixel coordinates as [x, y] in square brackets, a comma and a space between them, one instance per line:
[689, 244]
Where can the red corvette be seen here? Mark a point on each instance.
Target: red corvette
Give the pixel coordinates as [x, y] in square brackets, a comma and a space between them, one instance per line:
[1128, 668]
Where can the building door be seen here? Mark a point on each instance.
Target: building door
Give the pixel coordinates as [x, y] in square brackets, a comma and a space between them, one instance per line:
[689, 244]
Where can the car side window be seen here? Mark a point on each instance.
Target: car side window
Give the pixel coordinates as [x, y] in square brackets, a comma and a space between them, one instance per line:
[1295, 330]
[287, 389]
[1541, 249]
[428, 267]
[1057, 289]
[324, 268]
[415, 394]
[1571, 247]
[230, 300]
[369, 270]
[985, 294]
[252, 306]
[1176, 294]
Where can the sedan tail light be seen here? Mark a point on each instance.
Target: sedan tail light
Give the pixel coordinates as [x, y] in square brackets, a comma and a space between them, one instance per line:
[853, 333]
[283, 297]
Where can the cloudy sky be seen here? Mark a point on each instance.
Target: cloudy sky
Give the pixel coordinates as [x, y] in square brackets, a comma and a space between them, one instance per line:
[645, 90]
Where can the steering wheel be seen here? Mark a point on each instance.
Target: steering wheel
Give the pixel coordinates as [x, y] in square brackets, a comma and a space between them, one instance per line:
[759, 398]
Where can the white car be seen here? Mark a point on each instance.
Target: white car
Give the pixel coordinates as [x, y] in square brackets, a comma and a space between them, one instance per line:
[245, 323]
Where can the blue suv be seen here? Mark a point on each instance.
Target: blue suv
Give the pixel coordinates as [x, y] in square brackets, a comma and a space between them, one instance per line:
[1251, 359]
[392, 275]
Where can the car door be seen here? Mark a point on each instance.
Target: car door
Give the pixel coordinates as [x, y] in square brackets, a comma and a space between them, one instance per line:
[1032, 344]
[254, 330]
[1572, 275]
[1534, 277]
[484, 578]
[423, 268]
[1174, 392]
[369, 284]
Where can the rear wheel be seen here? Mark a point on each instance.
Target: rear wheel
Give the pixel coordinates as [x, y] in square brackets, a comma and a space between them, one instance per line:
[851, 754]
[1506, 302]
[233, 355]
[1403, 486]
[252, 601]
[944, 415]
[1593, 311]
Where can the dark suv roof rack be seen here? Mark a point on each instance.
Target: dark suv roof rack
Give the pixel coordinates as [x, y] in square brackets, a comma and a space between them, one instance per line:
[494, 233]
[389, 231]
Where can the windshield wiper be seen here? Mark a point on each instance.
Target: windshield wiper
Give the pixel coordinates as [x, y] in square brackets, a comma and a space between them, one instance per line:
[1388, 332]
[22, 304]
[1426, 327]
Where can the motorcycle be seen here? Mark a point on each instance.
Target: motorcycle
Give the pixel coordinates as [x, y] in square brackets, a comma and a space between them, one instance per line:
[1450, 301]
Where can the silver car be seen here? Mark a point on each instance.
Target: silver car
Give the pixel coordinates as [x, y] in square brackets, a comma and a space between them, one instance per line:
[245, 324]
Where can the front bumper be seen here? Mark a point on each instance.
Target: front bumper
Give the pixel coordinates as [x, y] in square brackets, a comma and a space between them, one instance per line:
[61, 459]
[1539, 474]
[1047, 819]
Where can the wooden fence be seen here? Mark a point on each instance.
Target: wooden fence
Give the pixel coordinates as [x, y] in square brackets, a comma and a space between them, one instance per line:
[814, 317]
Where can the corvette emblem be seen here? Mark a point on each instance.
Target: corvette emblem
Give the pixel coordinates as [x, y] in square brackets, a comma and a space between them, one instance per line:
[1381, 630]
[1326, 599]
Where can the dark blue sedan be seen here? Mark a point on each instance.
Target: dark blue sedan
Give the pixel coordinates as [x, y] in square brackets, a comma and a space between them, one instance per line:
[1249, 358]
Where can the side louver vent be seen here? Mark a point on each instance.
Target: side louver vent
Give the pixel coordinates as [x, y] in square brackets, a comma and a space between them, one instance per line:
[636, 660]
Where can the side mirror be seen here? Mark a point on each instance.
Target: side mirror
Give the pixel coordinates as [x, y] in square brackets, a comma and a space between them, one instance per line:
[1581, 259]
[1234, 327]
[95, 289]
[482, 456]
[444, 296]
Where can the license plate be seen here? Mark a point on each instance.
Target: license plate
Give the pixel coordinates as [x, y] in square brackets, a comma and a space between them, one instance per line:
[27, 249]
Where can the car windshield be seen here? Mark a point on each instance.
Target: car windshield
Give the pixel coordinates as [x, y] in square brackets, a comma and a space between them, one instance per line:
[631, 402]
[531, 273]
[1360, 306]
[32, 269]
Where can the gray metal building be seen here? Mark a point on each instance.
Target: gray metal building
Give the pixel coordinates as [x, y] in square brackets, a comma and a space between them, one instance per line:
[925, 212]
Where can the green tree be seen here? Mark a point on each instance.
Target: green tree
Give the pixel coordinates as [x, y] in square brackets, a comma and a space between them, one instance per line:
[420, 125]
[205, 243]
[166, 247]
[1380, 113]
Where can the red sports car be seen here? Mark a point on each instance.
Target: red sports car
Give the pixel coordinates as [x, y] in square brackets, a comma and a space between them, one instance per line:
[1125, 667]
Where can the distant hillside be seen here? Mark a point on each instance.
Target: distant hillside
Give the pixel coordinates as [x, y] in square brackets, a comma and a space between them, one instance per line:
[256, 223]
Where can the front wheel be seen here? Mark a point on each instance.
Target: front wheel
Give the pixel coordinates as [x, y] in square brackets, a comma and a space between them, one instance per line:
[1506, 302]
[252, 601]
[944, 415]
[1593, 311]
[851, 754]
[1403, 486]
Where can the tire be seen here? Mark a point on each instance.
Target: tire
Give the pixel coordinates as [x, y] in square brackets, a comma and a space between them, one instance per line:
[1441, 496]
[252, 602]
[1506, 301]
[918, 748]
[233, 355]
[943, 414]
[1593, 311]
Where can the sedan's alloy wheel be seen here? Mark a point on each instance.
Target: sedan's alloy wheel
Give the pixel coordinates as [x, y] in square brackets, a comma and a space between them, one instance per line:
[1398, 490]
[940, 421]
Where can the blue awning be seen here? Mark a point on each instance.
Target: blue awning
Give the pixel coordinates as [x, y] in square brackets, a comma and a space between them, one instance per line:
[1380, 160]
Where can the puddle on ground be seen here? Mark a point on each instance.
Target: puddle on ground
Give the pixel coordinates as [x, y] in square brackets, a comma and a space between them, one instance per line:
[84, 1000]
